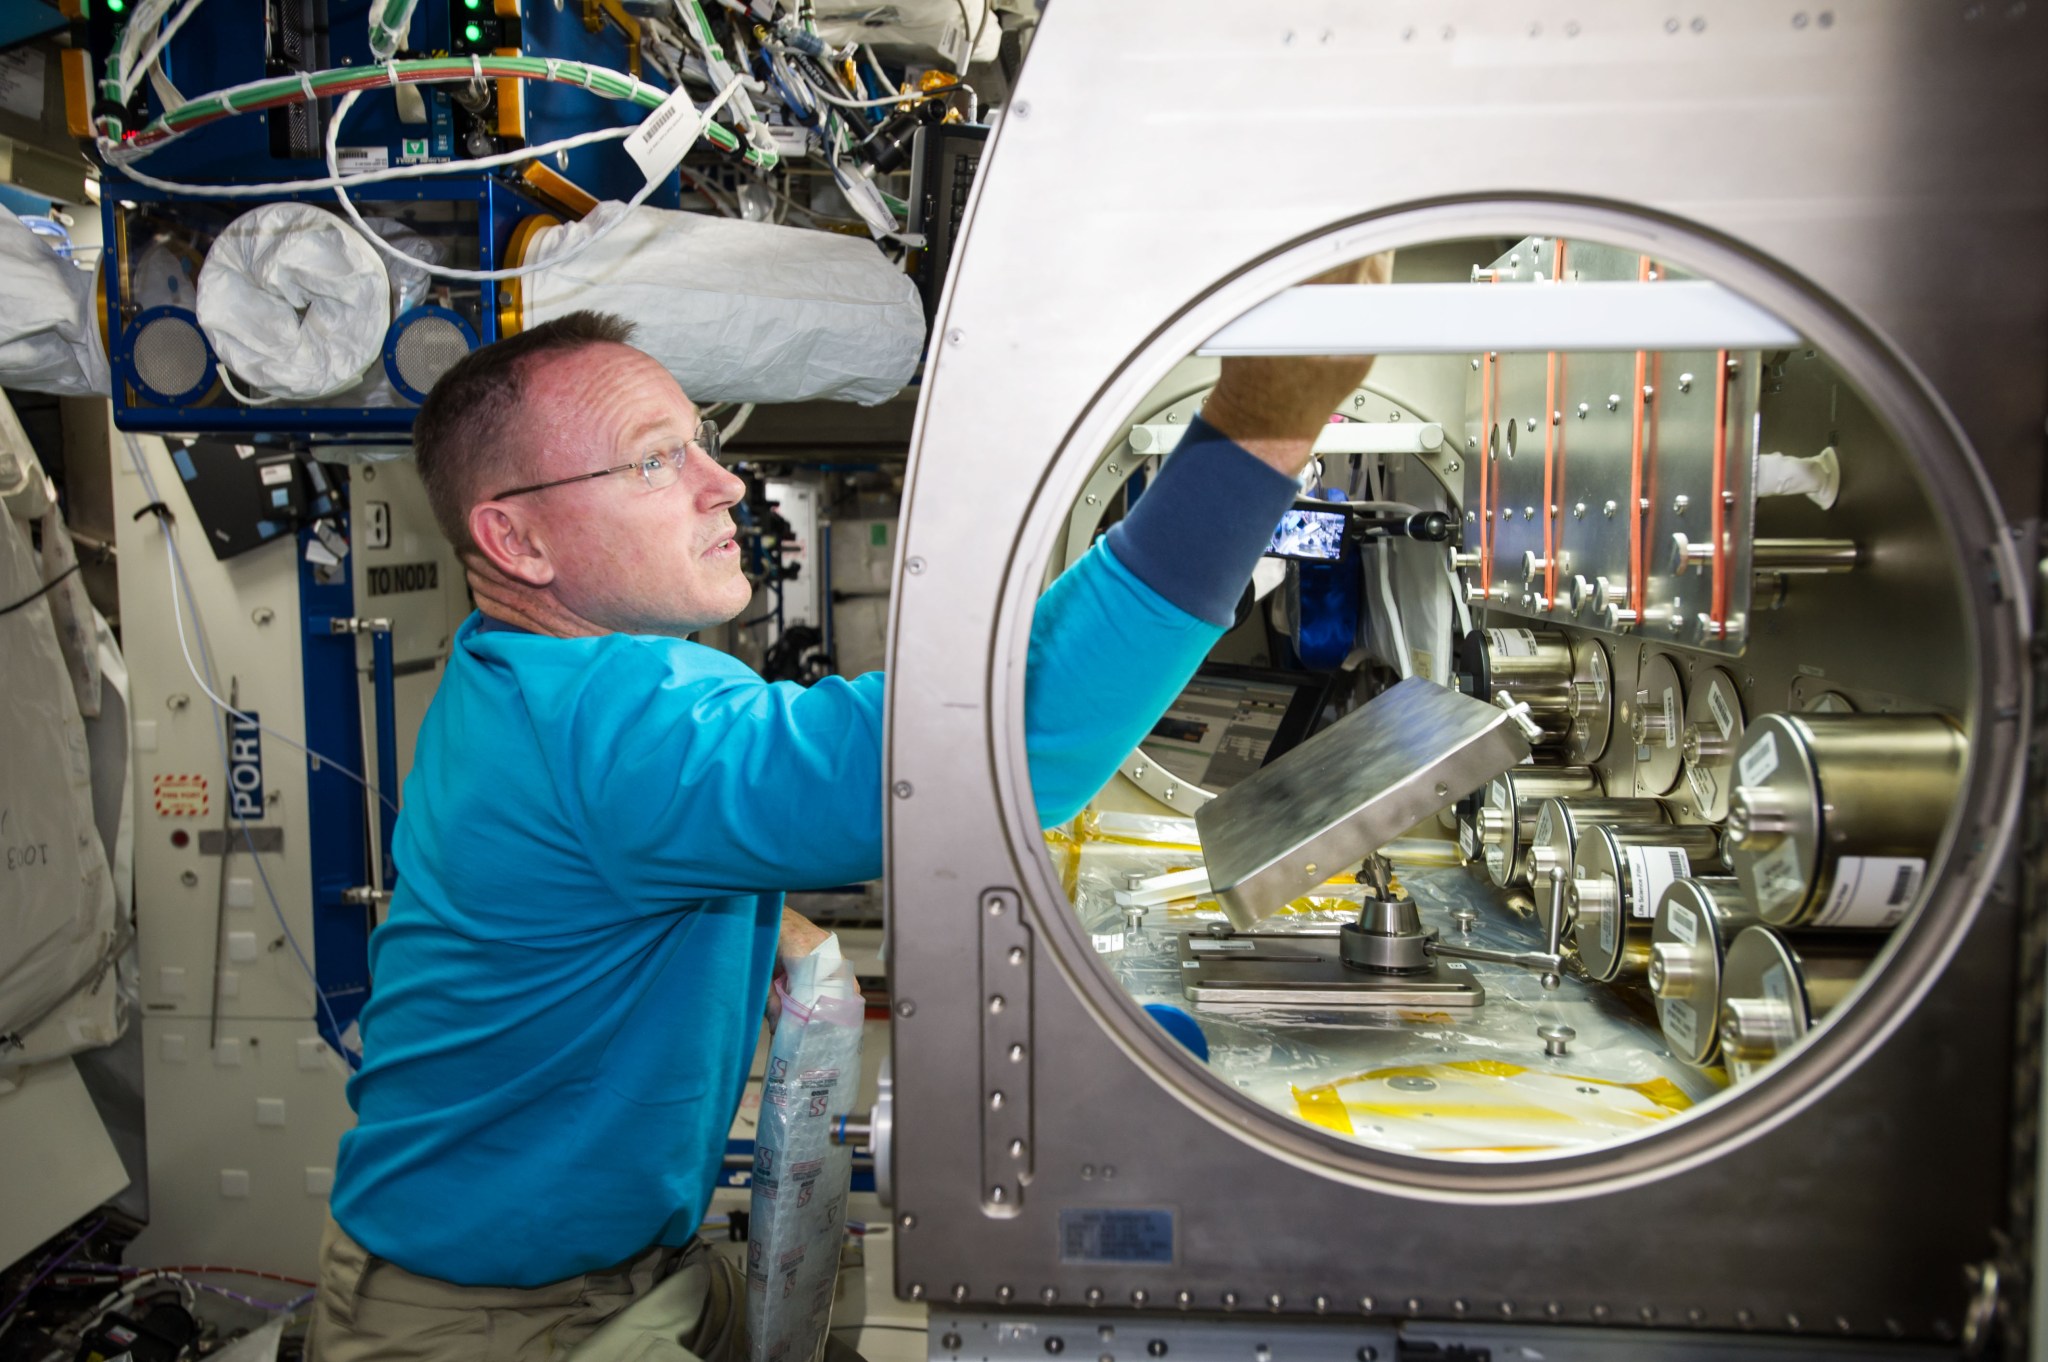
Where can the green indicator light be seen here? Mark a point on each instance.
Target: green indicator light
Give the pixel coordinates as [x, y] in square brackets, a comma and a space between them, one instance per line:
[472, 4]
[473, 32]
[116, 6]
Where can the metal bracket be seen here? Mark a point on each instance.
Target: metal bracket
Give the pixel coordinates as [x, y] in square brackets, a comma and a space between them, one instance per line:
[349, 624]
[363, 896]
[1006, 1153]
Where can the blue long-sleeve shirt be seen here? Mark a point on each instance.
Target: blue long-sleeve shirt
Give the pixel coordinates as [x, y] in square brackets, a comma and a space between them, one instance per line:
[596, 837]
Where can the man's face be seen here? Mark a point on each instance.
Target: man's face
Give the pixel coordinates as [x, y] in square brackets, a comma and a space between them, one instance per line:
[617, 554]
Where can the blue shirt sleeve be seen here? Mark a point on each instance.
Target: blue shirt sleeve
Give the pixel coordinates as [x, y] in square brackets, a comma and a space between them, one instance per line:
[693, 778]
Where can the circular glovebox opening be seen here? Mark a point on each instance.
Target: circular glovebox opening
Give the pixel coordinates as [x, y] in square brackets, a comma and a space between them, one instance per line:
[1652, 503]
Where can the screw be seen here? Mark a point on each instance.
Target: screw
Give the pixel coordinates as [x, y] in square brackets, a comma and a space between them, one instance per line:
[917, 1291]
[906, 1221]
[1023, 109]
[1614, 401]
[1230, 1300]
[955, 336]
[950, 1342]
[914, 566]
[906, 1008]
[902, 789]
[189, 878]
[1608, 510]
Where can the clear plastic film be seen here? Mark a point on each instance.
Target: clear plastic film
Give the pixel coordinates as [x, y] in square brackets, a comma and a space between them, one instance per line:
[1465, 1083]
[801, 1178]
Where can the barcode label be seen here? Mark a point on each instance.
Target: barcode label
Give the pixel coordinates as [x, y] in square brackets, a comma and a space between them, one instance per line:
[1724, 713]
[658, 144]
[1780, 883]
[1468, 839]
[1108, 943]
[1683, 926]
[1670, 717]
[1761, 760]
[1681, 1027]
[1511, 642]
[1651, 871]
[1872, 891]
[1701, 780]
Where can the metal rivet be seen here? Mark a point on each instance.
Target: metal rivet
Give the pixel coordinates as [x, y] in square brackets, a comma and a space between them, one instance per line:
[902, 789]
[1322, 1304]
[1016, 955]
[1365, 1304]
[914, 566]
[998, 1195]
[1507, 1309]
[1095, 1295]
[1005, 1292]
[1459, 1307]
[917, 1291]
[906, 1221]
[955, 336]
[1016, 1054]
[1087, 1172]
[189, 878]
[1274, 1301]
[1600, 1312]
[906, 1008]
[959, 1294]
[995, 1004]
[1023, 109]
[1049, 1295]
[1139, 1297]
[1016, 1149]
[995, 1101]
[1183, 1299]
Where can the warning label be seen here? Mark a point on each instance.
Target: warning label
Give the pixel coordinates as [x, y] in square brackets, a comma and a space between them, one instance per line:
[181, 796]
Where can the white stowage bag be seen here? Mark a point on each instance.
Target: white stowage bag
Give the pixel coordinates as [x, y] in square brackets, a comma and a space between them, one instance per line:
[740, 311]
[800, 1176]
[58, 930]
[294, 300]
[49, 337]
[931, 28]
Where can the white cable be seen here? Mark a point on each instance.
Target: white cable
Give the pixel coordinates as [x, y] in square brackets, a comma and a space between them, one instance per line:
[726, 430]
[421, 170]
[915, 96]
[181, 581]
[1397, 636]
[1457, 591]
[220, 371]
[604, 229]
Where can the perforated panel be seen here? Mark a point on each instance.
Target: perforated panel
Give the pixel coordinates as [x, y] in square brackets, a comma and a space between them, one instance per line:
[427, 349]
[170, 357]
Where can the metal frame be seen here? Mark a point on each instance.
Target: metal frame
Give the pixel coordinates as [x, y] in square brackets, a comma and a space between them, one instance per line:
[1763, 1206]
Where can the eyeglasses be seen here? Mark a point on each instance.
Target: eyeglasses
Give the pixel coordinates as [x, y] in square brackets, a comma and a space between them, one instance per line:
[657, 470]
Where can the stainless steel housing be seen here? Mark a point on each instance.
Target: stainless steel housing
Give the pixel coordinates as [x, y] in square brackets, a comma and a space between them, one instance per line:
[1138, 161]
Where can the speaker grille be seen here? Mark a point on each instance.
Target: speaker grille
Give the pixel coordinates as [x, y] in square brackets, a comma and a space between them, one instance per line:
[170, 357]
[427, 348]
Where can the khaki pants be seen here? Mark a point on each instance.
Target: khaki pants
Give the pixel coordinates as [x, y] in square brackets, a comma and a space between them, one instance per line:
[666, 1305]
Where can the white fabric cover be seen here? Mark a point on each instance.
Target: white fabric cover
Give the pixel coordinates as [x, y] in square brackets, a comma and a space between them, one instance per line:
[912, 28]
[49, 335]
[740, 311]
[294, 300]
[58, 935]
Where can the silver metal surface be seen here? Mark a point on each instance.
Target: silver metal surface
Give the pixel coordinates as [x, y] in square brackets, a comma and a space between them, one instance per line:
[1507, 815]
[1695, 920]
[1308, 973]
[1774, 991]
[1560, 823]
[1335, 1327]
[1713, 730]
[1454, 319]
[1348, 791]
[1657, 725]
[1837, 814]
[1840, 221]
[1618, 875]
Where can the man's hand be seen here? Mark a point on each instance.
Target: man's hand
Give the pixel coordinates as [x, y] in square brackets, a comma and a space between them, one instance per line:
[1276, 407]
[800, 936]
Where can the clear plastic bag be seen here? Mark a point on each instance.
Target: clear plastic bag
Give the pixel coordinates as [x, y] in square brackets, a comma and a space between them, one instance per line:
[800, 1176]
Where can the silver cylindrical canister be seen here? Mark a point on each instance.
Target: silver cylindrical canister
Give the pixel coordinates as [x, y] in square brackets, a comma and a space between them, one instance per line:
[1618, 876]
[1560, 823]
[1696, 918]
[1506, 822]
[1772, 992]
[1834, 816]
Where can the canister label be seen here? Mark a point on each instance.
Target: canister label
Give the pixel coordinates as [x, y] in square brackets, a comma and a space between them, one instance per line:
[1681, 1026]
[1701, 782]
[1511, 642]
[1670, 717]
[1779, 882]
[1651, 871]
[1872, 891]
[1724, 713]
[1684, 926]
[1760, 760]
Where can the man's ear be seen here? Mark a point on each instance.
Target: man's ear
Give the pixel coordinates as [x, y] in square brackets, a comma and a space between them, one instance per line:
[511, 542]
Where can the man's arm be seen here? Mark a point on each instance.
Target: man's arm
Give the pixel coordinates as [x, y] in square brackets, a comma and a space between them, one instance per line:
[1120, 633]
